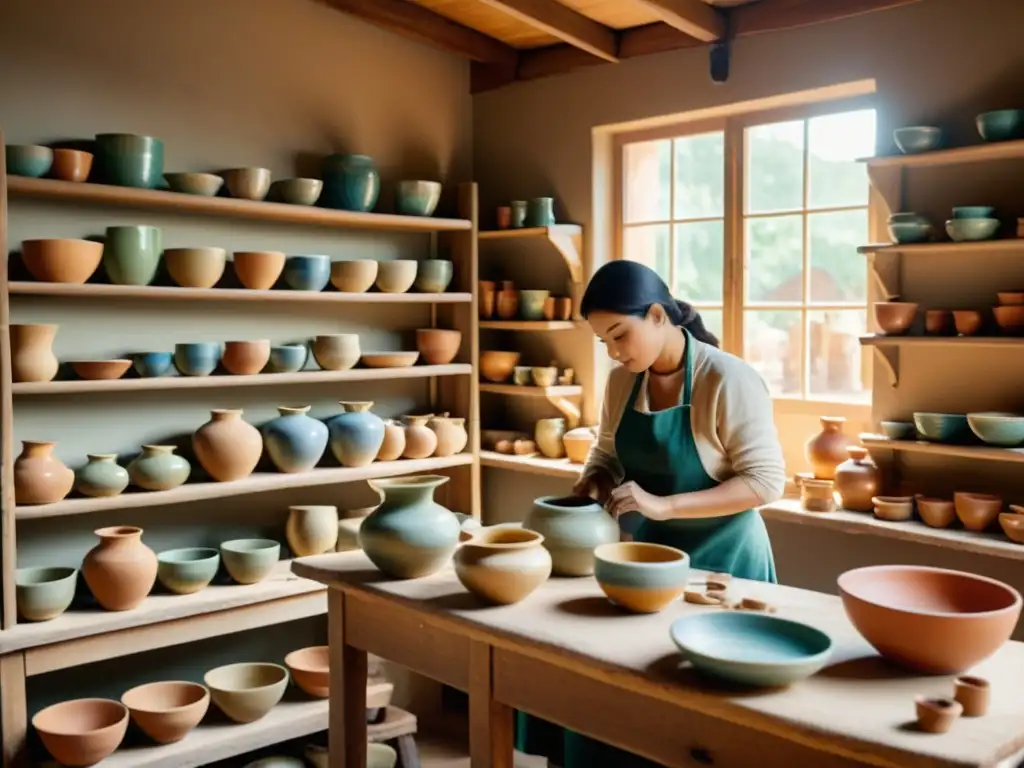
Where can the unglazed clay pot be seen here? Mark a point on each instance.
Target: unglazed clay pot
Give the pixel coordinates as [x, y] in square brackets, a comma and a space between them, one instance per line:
[857, 480]
[420, 440]
[977, 511]
[39, 476]
[409, 535]
[451, 434]
[336, 351]
[158, 468]
[195, 267]
[577, 443]
[81, 732]
[227, 447]
[508, 300]
[548, 434]
[61, 260]
[394, 441]
[311, 671]
[245, 358]
[101, 476]
[294, 440]
[32, 357]
[120, 570]
[168, 711]
[935, 513]
[258, 270]
[571, 527]
[503, 565]
[828, 449]
[312, 530]
[487, 294]
[356, 435]
[438, 346]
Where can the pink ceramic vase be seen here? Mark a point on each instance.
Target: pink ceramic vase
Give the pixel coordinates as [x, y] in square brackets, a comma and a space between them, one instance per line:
[32, 357]
[227, 447]
[120, 570]
[39, 476]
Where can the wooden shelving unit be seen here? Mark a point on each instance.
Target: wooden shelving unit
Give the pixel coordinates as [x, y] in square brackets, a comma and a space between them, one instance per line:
[533, 465]
[980, 452]
[567, 239]
[529, 325]
[980, 153]
[513, 390]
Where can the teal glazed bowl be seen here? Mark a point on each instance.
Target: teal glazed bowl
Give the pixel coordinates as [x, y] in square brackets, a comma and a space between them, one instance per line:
[434, 275]
[909, 228]
[32, 160]
[44, 593]
[288, 358]
[751, 648]
[1001, 125]
[531, 304]
[417, 198]
[917, 138]
[248, 561]
[184, 571]
[127, 160]
[199, 358]
[899, 430]
[971, 230]
[640, 577]
[151, 365]
[974, 212]
[942, 427]
[1002, 429]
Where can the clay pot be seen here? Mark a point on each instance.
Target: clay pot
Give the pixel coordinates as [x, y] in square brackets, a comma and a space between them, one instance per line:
[167, 712]
[451, 436]
[310, 668]
[936, 715]
[817, 495]
[158, 468]
[227, 447]
[549, 308]
[503, 217]
[258, 270]
[497, 366]
[563, 308]
[508, 301]
[81, 732]
[487, 296]
[939, 322]
[549, 434]
[195, 267]
[396, 276]
[245, 358]
[246, 692]
[247, 183]
[973, 694]
[828, 449]
[394, 441]
[120, 570]
[935, 513]
[857, 480]
[100, 370]
[32, 357]
[294, 440]
[438, 346]
[503, 565]
[39, 476]
[71, 165]
[967, 321]
[312, 530]
[420, 440]
[102, 476]
[356, 435]
[249, 561]
[61, 260]
[577, 443]
[895, 509]
[336, 351]
[977, 511]
[894, 317]
[571, 527]
[354, 276]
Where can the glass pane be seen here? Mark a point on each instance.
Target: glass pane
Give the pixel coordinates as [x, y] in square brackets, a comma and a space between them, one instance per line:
[775, 167]
[775, 259]
[773, 345]
[834, 143]
[700, 176]
[700, 253]
[838, 273]
[712, 321]
[648, 245]
[647, 171]
[838, 363]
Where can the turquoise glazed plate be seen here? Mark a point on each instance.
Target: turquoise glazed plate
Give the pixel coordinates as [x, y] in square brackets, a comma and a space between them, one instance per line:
[751, 648]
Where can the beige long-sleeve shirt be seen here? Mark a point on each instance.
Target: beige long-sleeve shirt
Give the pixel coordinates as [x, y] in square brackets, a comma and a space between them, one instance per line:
[731, 414]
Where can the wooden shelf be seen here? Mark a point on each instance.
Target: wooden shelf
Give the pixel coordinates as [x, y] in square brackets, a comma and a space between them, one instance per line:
[980, 153]
[980, 452]
[514, 390]
[1006, 244]
[224, 381]
[529, 325]
[164, 293]
[158, 200]
[566, 238]
[879, 340]
[259, 482]
[533, 465]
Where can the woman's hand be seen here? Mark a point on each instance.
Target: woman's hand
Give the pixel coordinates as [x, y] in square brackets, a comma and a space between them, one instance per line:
[596, 485]
[630, 497]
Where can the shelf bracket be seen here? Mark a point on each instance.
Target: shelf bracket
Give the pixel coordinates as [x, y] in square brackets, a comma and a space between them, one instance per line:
[570, 246]
[567, 408]
[891, 360]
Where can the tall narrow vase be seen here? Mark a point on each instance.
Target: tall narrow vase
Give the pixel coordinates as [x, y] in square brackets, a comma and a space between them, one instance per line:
[295, 440]
[356, 434]
[120, 570]
[32, 357]
[39, 476]
[227, 447]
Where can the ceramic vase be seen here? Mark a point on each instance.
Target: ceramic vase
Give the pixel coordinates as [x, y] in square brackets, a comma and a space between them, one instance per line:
[508, 301]
[351, 183]
[39, 476]
[131, 255]
[503, 565]
[420, 440]
[409, 535]
[857, 480]
[451, 434]
[158, 468]
[101, 476]
[394, 441]
[294, 440]
[336, 351]
[571, 527]
[518, 210]
[540, 212]
[828, 449]
[120, 570]
[488, 296]
[227, 447]
[356, 435]
[32, 357]
[312, 530]
[548, 435]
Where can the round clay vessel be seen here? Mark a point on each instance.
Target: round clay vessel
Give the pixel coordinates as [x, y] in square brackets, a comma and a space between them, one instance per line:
[977, 511]
[61, 260]
[409, 535]
[101, 476]
[199, 358]
[356, 435]
[496, 366]
[258, 270]
[245, 358]
[894, 317]
[312, 530]
[188, 183]
[336, 351]
[577, 443]
[420, 440]
[508, 300]
[39, 476]
[828, 449]
[396, 276]
[188, 570]
[153, 364]
[71, 165]
[857, 480]
[227, 447]
[936, 715]
[100, 370]
[247, 183]
[44, 593]
[394, 441]
[248, 561]
[295, 441]
[246, 692]
[973, 694]
[158, 468]
[548, 435]
[354, 276]
[935, 513]
[81, 732]
[32, 357]
[297, 191]
[642, 578]
[572, 527]
[120, 570]
[167, 711]
[310, 669]
[895, 509]
[434, 275]
[196, 267]
[438, 346]
[930, 620]
[503, 565]
[451, 435]
[308, 272]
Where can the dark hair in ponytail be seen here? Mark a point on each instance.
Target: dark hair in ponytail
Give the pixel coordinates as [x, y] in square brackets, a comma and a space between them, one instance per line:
[630, 288]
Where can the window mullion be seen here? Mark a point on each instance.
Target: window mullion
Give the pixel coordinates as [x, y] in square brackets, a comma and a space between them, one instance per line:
[805, 374]
[671, 217]
[733, 268]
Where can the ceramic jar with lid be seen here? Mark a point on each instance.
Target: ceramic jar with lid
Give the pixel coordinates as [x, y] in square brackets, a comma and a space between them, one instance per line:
[857, 480]
[827, 450]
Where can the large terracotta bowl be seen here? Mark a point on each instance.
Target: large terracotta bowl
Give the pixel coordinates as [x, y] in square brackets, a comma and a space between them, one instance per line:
[310, 669]
[61, 260]
[246, 692]
[258, 270]
[497, 366]
[81, 732]
[931, 620]
[167, 711]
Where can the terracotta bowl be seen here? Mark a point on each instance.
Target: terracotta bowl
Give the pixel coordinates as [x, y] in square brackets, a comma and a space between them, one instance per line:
[1012, 524]
[977, 511]
[61, 260]
[258, 270]
[895, 317]
[71, 164]
[967, 321]
[930, 620]
[245, 358]
[389, 359]
[94, 370]
[641, 577]
[310, 669]
[246, 692]
[1010, 318]
[81, 732]
[936, 513]
[168, 711]
[895, 509]
[354, 276]
[938, 322]
[188, 183]
[497, 366]
[247, 183]
[196, 267]
[1010, 298]
[438, 346]
[396, 276]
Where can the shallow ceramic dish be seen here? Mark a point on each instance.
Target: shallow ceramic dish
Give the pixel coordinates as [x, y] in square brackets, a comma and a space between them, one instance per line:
[917, 138]
[936, 513]
[641, 577]
[167, 711]
[246, 692]
[203, 184]
[751, 648]
[81, 732]
[95, 370]
[1012, 524]
[977, 511]
[899, 430]
[894, 317]
[61, 260]
[389, 359]
[971, 230]
[1009, 318]
[1001, 124]
[994, 428]
[974, 212]
[942, 427]
[310, 669]
[895, 509]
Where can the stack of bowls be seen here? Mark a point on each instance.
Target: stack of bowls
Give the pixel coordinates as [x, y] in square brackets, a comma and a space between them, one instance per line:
[1009, 314]
[971, 223]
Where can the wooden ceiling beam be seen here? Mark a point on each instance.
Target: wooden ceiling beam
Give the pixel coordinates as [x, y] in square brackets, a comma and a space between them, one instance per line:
[691, 17]
[564, 23]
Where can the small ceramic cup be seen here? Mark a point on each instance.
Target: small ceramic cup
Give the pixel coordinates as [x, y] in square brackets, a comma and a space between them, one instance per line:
[522, 375]
[518, 213]
[973, 694]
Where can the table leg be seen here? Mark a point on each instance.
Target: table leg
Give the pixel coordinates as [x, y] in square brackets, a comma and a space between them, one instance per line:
[347, 719]
[490, 723]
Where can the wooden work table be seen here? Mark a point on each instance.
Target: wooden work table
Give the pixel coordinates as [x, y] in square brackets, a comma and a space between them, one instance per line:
[568, 655]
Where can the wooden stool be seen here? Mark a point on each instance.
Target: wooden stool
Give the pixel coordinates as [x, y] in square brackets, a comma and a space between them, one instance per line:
[397, 729]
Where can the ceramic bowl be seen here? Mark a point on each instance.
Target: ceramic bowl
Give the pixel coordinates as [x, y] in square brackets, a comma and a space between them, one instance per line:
[44, 593]
[899, 430]
[310, 669]
[496, 366]
[895, 509]
[396, 276]
[906, 232]
[544, 375]
[151, 365]
[307, 273]
[81, 732]
[258, 270]
[438, 346]
[501, 564]
[974, 212]
[199, 358]
[61, 260]
[930, 620]
[894, 317]
[247, 692]
[938, 322]
[1003, 429]
[1009, 318]
[188, 570]
[522, 375]
[196, 267]
[127, 160]
[354, 276]
[971, 230]
[32, 160]
[417, 198]
[247, 183]
[434, 276]
[967, 321]
[389, 359]
[297, 191]
[1012, 524]
[96, 370]
[377, 756]
[942, 427]
[977, 511]
[71, 165]
[202, 184]
[248, 561]
[936, 513]
[167, 711]
[917, 138]
[1010, 298]
[641, 577]
[531, 304]
[1001, 124]
[245, 358]
[751, 648]
[288, 358]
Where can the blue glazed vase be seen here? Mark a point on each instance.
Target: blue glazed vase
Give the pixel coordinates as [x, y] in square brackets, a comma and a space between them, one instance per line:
[356, 434]
[131, 255]
[295, 441]
[307, 273]
[150, 365]
[351, 183]
[197, 359]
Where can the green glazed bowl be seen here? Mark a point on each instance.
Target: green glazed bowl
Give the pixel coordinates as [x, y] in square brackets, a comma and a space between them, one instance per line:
[899, 430]
[30, 160]
[1001, 125]
[974, 212]
[417, 198]
[44, 593]
[942, 427]
[917, 138]
[1002, 429]
[184, 571]
[970, 230]
[433, 276]
[203, 184]
[250, 560]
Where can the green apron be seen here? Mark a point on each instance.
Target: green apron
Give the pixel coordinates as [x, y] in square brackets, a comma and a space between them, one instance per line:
[658, 452]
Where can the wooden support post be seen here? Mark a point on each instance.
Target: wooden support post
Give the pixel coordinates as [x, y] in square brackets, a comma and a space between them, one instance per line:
[13, 710]
[490, 722]
[347, 719]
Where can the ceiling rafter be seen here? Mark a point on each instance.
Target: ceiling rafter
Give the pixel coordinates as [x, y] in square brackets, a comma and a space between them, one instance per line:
[691, 17]
[560, 21]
